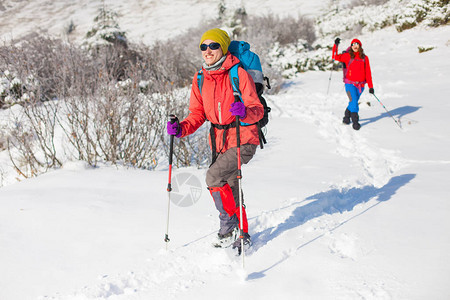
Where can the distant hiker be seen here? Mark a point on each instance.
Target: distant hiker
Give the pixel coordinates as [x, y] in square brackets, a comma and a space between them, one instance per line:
[356, 74]
[216, 103]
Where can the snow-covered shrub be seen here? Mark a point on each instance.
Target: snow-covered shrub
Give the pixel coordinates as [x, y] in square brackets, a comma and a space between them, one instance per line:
[193, 149]
[404, 14]
[14, 90]
[116, 125]
[355, 3]
[107, 42]
[232, 18]
[96, 116]
[171, 64]
[113, 125]
[31, 139]
[283, 30]
[298, 58]
[39, 66]
[270, 33]
[105, 31]
[430, 12]
[2, 140]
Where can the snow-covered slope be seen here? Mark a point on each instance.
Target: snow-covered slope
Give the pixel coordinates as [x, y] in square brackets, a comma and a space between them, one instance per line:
[334, 213]
[143, 20]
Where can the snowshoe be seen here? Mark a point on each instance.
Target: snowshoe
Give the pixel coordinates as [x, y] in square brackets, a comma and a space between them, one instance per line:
[226, 240]
[247, 243]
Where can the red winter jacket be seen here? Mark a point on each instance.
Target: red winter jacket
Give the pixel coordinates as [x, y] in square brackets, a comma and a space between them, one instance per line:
[358, 70]
[214, 103]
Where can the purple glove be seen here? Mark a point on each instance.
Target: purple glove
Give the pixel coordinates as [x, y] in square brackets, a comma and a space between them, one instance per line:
[238, 109]
[174, 129]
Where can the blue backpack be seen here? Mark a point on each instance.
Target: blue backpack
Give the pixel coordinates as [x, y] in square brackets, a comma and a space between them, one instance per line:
[251, 63]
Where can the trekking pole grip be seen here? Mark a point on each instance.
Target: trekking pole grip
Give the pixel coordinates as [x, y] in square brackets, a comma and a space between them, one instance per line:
[238, 123]
[172, 119]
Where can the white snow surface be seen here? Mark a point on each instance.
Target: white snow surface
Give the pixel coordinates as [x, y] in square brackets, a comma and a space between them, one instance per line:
[334, 213]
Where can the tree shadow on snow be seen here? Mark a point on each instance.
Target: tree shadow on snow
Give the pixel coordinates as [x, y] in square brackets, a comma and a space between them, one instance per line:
[398, 113]
[330, 202]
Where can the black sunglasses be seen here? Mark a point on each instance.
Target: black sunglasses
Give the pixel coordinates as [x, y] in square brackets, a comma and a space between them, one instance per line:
[355, 44]
[212, 46]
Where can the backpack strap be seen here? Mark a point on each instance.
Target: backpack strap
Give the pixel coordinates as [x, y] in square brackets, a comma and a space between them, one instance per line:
[348, 66]
[234, 77]
[213, 138]
[200, 80]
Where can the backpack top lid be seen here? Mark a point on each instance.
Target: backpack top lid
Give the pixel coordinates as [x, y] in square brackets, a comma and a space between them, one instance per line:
[249, 60]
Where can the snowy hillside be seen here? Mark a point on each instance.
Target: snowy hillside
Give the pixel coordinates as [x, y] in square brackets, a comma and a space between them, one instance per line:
[334, 213]
[144, 20]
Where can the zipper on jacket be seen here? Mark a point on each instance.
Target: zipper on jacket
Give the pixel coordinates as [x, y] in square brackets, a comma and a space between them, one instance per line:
[220, 112]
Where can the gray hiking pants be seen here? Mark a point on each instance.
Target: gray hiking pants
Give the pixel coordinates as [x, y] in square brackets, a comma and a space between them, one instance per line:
[224, 171]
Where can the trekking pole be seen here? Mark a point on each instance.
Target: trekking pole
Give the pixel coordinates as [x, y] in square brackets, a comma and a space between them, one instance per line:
[388, 112]
[329, 79]
[173, 119]
[239, 177]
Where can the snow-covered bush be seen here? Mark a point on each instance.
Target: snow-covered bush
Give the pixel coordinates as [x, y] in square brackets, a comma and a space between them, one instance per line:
[39, 67]
[233, 19]
[13, 90]
[403, 14]
[105, 31]
[429, 12]
[299, 58]
[270, 34]
[3, 139]
[354, 3]
[96, 116]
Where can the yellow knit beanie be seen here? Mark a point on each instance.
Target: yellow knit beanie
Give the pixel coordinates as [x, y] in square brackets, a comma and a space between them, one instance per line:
[217, 35]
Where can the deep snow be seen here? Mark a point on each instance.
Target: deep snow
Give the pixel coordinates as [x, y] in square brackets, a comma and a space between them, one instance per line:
[334, 213]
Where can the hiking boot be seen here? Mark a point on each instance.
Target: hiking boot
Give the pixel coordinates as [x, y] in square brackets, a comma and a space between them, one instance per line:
[227, 239]
[356, 126]
[247, 243]
[346, 119]
[355, 119]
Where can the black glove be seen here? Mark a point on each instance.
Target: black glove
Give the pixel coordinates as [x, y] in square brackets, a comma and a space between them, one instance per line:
[372, 91]
[337, 41]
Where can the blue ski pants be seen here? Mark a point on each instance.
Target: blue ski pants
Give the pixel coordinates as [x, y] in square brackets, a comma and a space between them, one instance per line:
[353, 94]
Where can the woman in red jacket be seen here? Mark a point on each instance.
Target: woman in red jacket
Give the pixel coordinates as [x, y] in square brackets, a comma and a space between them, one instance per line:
[356, 75]
[215, 102]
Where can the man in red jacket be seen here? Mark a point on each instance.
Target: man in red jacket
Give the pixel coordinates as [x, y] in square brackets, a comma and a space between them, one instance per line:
[215, 102]
[356, 74]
